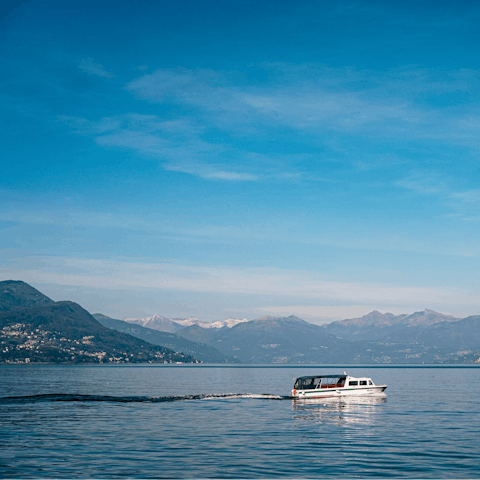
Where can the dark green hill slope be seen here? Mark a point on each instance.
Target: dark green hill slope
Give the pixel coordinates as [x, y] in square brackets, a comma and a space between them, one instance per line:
[64, 332]
[202, 352]
[15, 294]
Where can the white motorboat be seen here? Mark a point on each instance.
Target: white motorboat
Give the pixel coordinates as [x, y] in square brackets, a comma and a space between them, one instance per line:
[321, 386]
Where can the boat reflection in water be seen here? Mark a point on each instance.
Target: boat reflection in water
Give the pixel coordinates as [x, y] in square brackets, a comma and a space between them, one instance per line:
[339, 410]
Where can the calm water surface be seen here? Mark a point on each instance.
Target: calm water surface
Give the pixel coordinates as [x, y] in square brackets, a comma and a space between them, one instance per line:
[176, 421]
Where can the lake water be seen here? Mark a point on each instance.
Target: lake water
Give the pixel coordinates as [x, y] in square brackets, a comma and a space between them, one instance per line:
[176, 421]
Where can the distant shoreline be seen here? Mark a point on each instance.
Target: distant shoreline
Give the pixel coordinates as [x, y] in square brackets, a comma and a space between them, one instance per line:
[222, 365]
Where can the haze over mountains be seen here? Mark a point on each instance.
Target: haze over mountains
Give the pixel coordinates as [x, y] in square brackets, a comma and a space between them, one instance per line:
[32, 323]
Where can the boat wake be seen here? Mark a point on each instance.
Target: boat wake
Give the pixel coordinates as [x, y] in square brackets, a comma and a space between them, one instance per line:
[66, 397]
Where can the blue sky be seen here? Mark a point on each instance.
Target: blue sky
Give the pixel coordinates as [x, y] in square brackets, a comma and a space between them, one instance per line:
[236, 159]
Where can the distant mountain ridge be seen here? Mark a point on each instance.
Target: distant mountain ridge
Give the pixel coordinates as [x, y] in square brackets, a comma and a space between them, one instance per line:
[351, 326]
[424, 318]
[200, 351]
[273, 340]
[173, 325]
[421, 337]
[156, 322]
[376, 325]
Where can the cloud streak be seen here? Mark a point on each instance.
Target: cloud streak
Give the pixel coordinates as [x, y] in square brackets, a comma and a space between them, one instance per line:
[104, 274]
[393, 104]
[466, 203]
[87, 65]
[173, 228]
[181, 148]
[333, 109]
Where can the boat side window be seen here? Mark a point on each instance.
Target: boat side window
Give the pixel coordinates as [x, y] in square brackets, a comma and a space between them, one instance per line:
[301, 384]
[370, 382]
[308, 385]
[329, 382]
[353, 383]
[363, 382]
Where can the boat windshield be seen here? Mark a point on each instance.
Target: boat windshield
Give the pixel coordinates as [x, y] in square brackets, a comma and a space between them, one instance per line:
[324, 381]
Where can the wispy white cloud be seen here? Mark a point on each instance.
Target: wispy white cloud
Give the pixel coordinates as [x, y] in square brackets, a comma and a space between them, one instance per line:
[399, 104]
[423, 183]
[468, 196]
[301, 104]
[211, 172]
[330, 106]
[178, 144]
[87, 65]
[170, 227]
[465, 203]
[296, 284]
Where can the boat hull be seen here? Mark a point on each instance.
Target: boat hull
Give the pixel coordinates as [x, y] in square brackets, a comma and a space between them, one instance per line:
[339, 392]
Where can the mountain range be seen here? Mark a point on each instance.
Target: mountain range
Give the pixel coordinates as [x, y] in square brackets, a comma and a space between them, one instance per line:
[420, 337]
[273, 340]
[376, 325]
[33, 326]
[202, 352]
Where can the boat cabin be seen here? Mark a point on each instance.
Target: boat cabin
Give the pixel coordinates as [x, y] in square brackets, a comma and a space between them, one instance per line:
[330, 381]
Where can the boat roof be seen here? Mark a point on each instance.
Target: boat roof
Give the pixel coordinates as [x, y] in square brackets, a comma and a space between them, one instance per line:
[323, 376]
